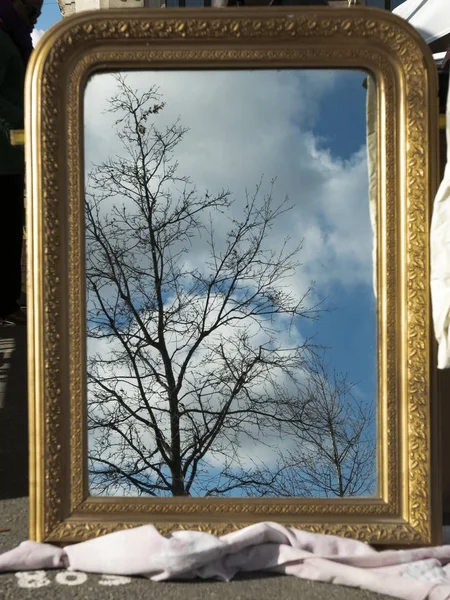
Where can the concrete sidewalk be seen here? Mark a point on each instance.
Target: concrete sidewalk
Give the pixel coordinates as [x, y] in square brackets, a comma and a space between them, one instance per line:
[60, 584]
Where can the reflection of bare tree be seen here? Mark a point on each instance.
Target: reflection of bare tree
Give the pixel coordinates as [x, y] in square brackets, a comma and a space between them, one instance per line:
[196, 358]
[341, 460]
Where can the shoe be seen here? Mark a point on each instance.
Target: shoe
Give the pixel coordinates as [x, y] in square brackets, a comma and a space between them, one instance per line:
[18, 317]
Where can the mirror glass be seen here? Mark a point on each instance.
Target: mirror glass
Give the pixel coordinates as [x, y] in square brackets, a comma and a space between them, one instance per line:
[231, 323]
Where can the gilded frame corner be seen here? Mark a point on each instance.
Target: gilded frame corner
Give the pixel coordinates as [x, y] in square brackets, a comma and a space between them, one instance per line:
[408, 509]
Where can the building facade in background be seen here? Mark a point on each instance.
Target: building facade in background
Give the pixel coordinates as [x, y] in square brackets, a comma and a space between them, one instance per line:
[69, 7]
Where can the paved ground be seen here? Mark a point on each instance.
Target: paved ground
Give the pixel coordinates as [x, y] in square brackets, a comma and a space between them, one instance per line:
[58, 584]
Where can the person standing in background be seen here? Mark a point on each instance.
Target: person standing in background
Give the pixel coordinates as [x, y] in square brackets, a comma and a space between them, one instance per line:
[17, 21]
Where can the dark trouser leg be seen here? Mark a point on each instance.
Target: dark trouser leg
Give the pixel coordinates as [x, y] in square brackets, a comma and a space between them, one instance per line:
[12, 217]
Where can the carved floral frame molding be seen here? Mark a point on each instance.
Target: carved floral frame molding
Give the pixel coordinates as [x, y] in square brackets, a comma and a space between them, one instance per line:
[407, 510]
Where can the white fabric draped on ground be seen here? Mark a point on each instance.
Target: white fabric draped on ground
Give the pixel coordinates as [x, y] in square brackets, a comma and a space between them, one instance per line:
[418, 574]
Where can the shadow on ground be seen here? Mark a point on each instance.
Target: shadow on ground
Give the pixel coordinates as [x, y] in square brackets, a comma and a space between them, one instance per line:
[13, 412]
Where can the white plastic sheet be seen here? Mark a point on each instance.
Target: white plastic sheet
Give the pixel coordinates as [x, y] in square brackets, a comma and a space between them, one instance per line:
[440, 261]
[431, 18]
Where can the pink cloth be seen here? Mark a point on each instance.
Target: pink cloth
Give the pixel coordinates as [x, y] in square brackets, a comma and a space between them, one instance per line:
[418, 574]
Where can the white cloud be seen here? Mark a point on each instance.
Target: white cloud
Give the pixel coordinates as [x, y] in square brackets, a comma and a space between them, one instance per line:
[36, 36]
[245, 124]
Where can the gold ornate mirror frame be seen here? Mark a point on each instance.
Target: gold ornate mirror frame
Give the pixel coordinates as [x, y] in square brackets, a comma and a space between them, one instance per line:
[407, 511]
